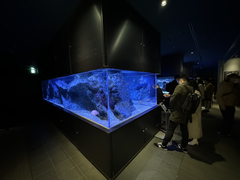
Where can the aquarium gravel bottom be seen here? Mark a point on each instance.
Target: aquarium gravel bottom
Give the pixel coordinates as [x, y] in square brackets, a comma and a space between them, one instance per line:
[140, 108]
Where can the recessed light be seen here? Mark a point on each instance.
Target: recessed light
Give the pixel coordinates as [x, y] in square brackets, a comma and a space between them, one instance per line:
[192, 52]
[164, 3]
[33, 70]
[197, 62]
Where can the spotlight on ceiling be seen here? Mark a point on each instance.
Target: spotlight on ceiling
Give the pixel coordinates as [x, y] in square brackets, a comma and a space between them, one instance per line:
[197, 62]
[33, 70]
[164, 3]
[192, 52]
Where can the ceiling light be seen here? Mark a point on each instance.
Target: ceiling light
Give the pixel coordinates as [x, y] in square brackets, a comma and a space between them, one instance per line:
[33, 70]
[192, 52]
[164, 3]
[197, 62]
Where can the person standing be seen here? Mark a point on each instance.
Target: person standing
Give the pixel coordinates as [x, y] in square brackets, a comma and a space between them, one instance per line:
[208, 93]
[160, 96]
[177, 117]
[201, 89]
[172, 85]
[227, 98]
[195, 127]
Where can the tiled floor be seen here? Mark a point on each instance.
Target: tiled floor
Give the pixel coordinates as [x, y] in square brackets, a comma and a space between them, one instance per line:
[40, 152]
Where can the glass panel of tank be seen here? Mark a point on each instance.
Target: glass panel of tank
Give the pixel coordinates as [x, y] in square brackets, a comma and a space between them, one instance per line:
[163, 81]
[130, 93]
[106, 97]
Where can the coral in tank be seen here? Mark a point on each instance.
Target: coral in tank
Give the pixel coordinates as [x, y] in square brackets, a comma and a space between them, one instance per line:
[119, 98]
[143, 89]
[85, 91]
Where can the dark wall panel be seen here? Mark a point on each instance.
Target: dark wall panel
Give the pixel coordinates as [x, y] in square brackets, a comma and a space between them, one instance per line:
[54, 61]
[187, 69]
[86, 37]
[172, 65]
[60, 53]
[151, 49]
[127, 141]
[152, 124]
[99, 34]
[123, 35]
[95, 145]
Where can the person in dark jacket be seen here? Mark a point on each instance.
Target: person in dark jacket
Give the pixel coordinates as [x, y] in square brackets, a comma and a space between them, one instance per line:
[170, 88]
[177, 117]
[227, 98]
[172, 85]
[208, 94]
[160, 96]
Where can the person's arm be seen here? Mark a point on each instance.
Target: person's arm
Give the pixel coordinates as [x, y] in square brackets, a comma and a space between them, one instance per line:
[219, 97]
[174, 97]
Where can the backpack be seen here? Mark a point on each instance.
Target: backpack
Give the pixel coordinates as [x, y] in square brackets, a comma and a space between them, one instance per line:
[191, 102]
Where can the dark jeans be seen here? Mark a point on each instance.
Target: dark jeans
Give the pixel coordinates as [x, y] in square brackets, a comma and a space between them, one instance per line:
[170, 131]
[228, 119]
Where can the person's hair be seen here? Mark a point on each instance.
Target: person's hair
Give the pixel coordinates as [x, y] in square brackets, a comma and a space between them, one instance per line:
[194, 84]
[185, 77]
[233, 75]
[200, 81]
[176, 76]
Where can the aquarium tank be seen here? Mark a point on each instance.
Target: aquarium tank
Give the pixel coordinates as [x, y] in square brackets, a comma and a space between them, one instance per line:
[163, 81]
[106, 97]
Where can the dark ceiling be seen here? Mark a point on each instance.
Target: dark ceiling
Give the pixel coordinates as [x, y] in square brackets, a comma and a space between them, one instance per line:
[208, 28]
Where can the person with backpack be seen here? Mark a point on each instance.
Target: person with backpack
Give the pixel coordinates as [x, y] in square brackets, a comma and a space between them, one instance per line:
[178, 117]
[227, 98]
[195, 127]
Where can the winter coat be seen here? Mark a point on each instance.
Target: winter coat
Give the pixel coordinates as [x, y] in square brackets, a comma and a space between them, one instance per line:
[208, 91]
[201, 88]
[227, 95]
[176, 101]
[195, 127]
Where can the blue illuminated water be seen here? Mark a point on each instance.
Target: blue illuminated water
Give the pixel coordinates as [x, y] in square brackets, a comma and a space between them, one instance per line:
[108, 103]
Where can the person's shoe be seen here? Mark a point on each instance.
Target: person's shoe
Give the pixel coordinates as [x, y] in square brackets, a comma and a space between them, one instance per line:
[159, 145]
[193, 142]
[179, 146]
